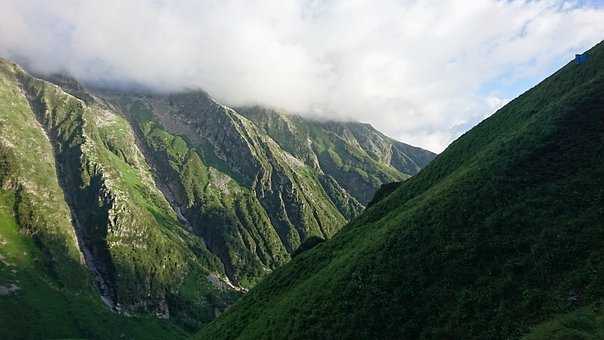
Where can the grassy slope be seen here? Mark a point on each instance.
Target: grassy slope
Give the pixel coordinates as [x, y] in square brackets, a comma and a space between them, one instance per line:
[502, 231]
[146, 257]
[47, 308]
[154, 264]
[241, 191]
[585, 323]
[251, 213]
[358, 157]
[229, 213]
[55, 296]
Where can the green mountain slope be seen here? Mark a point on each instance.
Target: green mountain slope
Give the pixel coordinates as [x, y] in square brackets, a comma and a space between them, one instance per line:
[132, 207]
[501, 232]
[243, 188]
[355, 155]
[585, 323]
[46, 289]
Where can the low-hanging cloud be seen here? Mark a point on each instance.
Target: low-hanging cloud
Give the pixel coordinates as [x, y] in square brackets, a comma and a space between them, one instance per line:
[421, 71]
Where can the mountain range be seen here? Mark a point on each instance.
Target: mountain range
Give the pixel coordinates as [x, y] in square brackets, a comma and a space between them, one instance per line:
[146, 215]
[500, 237]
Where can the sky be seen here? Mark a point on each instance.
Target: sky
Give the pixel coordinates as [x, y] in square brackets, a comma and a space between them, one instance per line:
[422, 72]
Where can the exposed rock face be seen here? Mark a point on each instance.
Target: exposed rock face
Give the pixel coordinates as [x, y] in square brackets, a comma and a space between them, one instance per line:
[84, 191]
[255, 183]
[353, 156]
[176, 204]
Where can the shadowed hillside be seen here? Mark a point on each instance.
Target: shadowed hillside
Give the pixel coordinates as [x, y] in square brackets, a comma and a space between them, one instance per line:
[503, 231]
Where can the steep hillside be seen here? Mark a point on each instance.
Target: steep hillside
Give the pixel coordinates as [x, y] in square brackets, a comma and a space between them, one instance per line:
[79, 204]
[244, 188]
[585, 323]
[355, 155]
[136, 207]
[501, 232]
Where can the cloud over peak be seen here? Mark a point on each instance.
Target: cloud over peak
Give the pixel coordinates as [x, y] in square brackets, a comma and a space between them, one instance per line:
[421, 71]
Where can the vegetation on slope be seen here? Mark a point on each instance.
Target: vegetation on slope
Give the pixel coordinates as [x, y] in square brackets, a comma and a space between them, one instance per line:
[41, 306]
[46, 291]
[166, 211]
[225, 213]
[585, 323]
[245, 191]
[501, 232]
[77, 185]
[355, 155]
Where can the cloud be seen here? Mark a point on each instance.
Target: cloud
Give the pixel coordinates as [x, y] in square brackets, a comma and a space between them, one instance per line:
[421, 71]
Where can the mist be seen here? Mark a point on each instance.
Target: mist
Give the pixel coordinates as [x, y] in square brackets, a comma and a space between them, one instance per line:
[420, 71]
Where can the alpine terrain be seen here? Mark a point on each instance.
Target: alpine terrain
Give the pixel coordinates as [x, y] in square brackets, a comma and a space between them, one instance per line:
[129, 214]
[500, 237]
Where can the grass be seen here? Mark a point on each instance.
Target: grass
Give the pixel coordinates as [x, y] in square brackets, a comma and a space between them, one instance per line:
[44, 307]
[354, 154]
[586, 323]
[249, 202]
[500, 233]
[145, 254]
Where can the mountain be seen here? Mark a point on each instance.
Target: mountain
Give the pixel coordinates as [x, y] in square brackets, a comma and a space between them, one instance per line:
[353, 154]
[501, 233]
[79, 209]
[140, 215]
[241, 184]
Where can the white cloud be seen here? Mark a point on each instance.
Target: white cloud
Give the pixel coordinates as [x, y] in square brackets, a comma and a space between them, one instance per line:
[414, 69]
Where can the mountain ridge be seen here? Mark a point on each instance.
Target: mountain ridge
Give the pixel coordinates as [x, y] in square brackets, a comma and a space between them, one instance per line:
[501, 232]
[169, 206]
